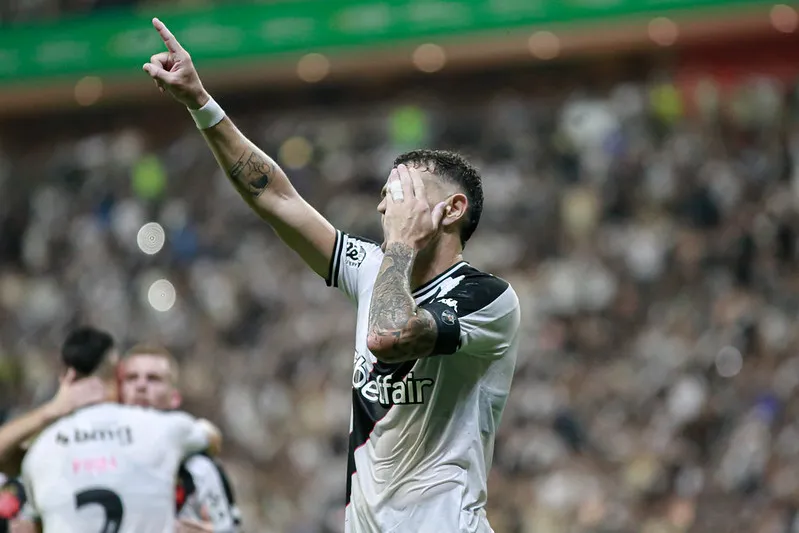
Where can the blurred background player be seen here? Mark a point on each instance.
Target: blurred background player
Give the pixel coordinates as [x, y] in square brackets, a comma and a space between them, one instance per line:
[436, 339]
[73, 393]
[204, 497]
[108, 467]
[148, 378]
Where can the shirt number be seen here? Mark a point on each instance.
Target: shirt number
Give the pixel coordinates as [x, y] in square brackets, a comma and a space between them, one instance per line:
[109, 501]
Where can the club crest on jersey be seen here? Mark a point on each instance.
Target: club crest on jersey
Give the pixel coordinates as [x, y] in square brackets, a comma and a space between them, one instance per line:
[354, 254]
[448, 317]
[385, 390]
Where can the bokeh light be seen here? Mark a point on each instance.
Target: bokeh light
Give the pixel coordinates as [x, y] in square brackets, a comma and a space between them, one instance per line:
[544, 45]
[729, 362]
[295, 153]
[151, 238]
[88, 90]
[784, 18]
[162, 295]
[429, 58]
[663, 31]
[313, 68]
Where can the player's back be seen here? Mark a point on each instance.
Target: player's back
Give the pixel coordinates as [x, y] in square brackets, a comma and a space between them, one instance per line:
[109, 468]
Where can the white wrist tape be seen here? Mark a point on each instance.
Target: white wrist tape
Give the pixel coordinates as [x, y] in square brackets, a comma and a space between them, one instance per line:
[208, 115]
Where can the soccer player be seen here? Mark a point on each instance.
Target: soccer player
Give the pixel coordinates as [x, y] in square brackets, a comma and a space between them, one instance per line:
[205, 499]
[436, 338]
[108, 467]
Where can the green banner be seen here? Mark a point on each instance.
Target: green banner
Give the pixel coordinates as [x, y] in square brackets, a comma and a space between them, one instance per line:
[120, 42]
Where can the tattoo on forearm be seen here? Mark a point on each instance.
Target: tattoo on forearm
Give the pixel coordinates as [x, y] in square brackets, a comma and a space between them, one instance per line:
[394, 320]
[252, 173]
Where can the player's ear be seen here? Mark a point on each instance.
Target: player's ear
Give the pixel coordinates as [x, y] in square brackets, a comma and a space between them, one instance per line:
[455, 210]
[176, 400]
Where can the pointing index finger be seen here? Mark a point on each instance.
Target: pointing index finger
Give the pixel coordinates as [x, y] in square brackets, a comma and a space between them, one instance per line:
[171, 43]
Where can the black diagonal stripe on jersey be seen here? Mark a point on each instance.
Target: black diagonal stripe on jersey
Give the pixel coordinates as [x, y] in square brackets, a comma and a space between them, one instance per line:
[425, 287]
[366, 415]
[228, 488]
[475, 291]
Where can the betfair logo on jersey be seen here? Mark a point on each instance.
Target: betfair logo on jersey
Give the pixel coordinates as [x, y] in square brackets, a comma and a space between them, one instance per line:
[121, 435]
[385, 390]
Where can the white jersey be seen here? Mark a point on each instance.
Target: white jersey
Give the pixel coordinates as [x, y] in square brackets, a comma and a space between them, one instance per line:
[110, 468]
[205, 486]
[422, 432]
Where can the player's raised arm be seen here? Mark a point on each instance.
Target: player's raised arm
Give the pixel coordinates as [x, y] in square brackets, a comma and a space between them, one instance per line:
[259, 180]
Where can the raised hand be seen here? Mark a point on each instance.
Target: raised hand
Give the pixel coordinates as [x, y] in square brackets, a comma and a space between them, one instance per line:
[174, 72]
[407, 216]
[74, 393]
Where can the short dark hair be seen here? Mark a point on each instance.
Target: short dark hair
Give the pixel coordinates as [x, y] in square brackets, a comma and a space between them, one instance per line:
[454, 168]
[85, 349]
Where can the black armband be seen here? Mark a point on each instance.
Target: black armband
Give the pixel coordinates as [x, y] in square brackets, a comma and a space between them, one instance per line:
[449, 328]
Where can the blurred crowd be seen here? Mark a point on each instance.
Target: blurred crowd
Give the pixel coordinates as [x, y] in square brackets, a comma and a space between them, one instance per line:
[649, 232]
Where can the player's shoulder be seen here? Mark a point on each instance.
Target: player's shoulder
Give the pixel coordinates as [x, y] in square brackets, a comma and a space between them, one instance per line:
[170, 417]
[201, 466]
[469, 290]
[484, 287]
[356, 250]
[151, 418]
[199, 462]
[206, 471]
[125, 412]
[352, 253]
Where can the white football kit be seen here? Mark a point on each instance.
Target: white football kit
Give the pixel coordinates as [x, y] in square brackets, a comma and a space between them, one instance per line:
[206, 487]
[422, 432]
[110, 468]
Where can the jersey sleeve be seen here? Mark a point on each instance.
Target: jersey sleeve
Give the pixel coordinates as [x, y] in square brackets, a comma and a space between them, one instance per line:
[213, 493]
[350, 263]
[477, 315]
[190, 434]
